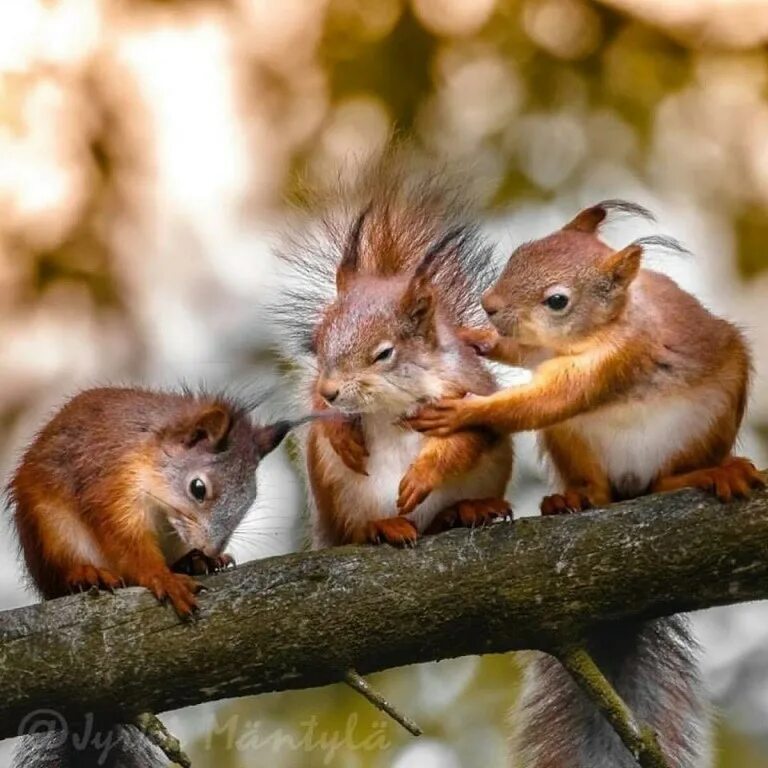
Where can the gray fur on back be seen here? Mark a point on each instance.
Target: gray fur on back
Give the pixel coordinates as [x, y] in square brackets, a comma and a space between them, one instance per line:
[130, 749]
[653, 667]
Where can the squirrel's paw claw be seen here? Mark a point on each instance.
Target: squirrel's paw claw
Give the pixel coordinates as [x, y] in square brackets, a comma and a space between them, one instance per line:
[84, 577]
[473, 513]
[398, 531]
[414, 488]
[733, 479]
[195, 563]
[176, 588]
[568, 503]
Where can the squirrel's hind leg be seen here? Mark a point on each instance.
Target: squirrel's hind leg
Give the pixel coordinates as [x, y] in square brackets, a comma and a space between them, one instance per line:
[734, 478]
[584, 480]
[470, 513]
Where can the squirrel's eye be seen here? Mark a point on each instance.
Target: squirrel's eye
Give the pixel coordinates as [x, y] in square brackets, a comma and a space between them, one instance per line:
[198, 489]
[557, 302]
[383, 355]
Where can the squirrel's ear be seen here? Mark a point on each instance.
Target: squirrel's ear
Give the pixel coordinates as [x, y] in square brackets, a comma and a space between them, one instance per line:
[269, 437]
[418, 304]
[419, 298]
[587, 220]
[622, 266]
[350, 257]
[212, 425]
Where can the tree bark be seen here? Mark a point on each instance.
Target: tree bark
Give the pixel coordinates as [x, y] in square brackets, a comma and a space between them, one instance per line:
[303, 620]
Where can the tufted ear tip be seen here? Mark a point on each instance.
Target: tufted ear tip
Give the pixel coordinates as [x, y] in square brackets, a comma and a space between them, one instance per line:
[588, 220]
[270, 436]
[350, 258]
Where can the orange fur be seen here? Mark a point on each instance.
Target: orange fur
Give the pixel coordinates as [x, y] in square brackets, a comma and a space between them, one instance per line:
[631, 342]
[101, 497]
[440, 460]
[407, 302]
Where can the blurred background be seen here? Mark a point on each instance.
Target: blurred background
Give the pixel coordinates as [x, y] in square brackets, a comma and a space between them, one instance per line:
[146, 149]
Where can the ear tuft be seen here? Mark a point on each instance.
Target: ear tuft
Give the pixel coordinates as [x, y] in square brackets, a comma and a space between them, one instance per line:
[622, 266]
[590, 219]
[269, 437]
[350, 258]
[587, 220]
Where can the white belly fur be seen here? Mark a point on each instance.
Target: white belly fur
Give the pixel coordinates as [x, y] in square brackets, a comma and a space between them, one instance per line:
[635, 440]
[391, 451]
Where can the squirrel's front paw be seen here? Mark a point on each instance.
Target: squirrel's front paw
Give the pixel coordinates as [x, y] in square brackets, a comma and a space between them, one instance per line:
[348, 443]
[567, 503]
[83, 577]
[176, 588]
[398, 531]
[442, 418]
[196, 563]
[416, 485]
[471, 513]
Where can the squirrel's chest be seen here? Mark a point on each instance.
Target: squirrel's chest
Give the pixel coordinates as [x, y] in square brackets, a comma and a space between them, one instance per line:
[391, 450]
[634, 441]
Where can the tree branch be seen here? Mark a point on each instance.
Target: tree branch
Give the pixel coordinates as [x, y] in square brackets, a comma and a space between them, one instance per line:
[303, 620]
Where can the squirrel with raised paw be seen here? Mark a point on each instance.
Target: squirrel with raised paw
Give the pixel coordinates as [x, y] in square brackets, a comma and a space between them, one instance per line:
[636, 388]
[641, 389]
[391, 287]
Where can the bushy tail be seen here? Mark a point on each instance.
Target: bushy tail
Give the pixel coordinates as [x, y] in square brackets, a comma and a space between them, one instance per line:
[122, 746]
[654, 669]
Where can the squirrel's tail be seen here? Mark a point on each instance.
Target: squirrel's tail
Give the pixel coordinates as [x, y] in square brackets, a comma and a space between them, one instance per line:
[122, 746]
[654, 669]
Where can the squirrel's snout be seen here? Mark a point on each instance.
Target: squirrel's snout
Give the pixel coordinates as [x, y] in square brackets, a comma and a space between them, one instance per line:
[491, 303]
[329, 390]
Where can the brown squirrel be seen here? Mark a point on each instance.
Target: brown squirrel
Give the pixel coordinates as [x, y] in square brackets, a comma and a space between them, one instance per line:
[121, 486]
[637, 388]
[406, 273]
[122, 483]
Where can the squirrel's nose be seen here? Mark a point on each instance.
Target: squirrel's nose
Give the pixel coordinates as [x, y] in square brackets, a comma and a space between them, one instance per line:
[329, 390]
[491, 303]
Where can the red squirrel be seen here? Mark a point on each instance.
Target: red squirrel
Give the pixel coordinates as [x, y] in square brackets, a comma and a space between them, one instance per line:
[636, 388]
[379, 326]
[123, 482]
[640, 389]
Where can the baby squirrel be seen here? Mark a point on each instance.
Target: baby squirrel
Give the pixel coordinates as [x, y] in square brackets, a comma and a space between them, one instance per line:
[406, 274]
[122, 483]
[636, 388]
[640, 388]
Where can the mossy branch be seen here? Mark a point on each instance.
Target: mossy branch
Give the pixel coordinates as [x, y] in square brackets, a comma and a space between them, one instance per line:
[639, 739]
[303, 620]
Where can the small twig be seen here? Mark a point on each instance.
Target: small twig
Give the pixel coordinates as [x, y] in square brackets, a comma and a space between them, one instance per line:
[363, 687]
[639, 739]
[152, 727]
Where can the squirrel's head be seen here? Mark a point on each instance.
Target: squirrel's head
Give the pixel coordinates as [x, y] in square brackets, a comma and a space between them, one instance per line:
[561, 289]
[376, 345]
[204, 478]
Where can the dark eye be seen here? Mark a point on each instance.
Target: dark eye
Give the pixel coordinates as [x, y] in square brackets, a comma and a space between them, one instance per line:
[384, 354]
[557, 302]
[198, 489]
